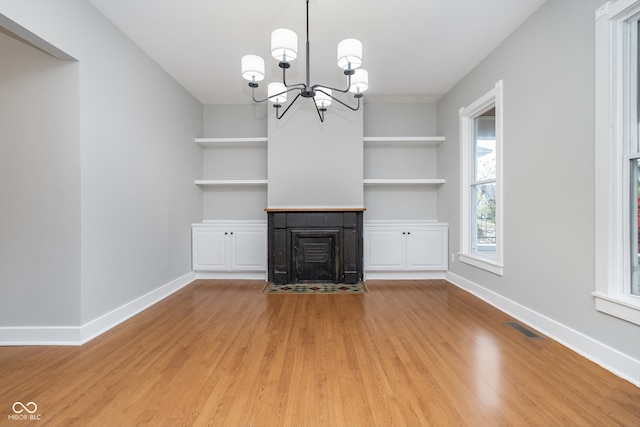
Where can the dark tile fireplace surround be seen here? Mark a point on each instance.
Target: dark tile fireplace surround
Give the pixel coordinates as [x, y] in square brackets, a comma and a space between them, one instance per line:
[319, 246]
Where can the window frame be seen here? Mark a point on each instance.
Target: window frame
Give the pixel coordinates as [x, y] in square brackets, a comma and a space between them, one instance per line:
[467, 115]
[612, 160]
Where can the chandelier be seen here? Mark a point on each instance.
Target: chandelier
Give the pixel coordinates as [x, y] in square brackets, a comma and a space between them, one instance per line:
[284, 48]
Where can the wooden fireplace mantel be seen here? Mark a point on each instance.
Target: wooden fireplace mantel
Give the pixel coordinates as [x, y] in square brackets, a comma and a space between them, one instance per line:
[314, 209]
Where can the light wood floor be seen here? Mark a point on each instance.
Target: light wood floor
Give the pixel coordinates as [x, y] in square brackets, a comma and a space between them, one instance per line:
[408, 353]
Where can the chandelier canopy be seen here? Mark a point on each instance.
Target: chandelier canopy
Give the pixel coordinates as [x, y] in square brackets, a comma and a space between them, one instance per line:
[284, 48]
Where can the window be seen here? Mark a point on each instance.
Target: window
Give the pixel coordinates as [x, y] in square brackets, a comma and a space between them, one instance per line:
[617, 187]
[634, 152]
[481, 180]
[634, 213]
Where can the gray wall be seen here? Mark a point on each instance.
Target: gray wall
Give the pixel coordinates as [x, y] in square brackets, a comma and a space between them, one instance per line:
[233, 160]
[315, 164]
[235, 121]
[379, 119]
[548, 70]
[400, 119]
[138, 160]
[39, 188]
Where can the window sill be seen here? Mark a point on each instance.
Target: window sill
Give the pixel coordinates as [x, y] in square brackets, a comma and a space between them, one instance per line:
[625, 307]
[483, 263]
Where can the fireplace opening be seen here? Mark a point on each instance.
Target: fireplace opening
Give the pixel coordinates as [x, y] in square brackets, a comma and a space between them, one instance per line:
[315, 256]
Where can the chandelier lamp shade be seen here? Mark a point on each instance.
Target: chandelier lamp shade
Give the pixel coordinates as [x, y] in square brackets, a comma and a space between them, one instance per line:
[284, 49]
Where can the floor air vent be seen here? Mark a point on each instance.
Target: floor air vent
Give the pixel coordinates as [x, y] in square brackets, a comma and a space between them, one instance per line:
[524, 331]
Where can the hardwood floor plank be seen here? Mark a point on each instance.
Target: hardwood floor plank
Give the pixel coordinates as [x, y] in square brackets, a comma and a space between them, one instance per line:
[408, 353]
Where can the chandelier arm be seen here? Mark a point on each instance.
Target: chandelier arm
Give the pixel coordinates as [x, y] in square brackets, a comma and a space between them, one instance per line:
[314, 87]
[320, 114]
[287, 109]
[339, 101]
[269, 97]
[284, 80]
[298, 86]
[319, 87]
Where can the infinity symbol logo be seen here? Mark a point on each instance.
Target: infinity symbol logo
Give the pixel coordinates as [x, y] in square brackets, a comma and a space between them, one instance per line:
[30, 407]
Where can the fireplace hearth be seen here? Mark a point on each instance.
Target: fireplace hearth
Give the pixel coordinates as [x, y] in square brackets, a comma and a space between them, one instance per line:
[322, 246]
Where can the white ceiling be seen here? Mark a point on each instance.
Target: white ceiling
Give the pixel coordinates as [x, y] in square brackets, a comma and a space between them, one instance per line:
[413, 49]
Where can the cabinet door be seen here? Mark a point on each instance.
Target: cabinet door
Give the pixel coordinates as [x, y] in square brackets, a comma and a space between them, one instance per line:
[427, 249]
[210, 249]
[384, 249]
[249, 248]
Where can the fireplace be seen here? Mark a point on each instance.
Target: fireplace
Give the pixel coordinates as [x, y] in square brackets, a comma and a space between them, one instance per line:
[320, 246]
[315, 256]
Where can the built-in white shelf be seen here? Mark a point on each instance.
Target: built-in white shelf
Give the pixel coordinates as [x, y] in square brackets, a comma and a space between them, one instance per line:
[213, 142]
[218, 182]
[225, 143]
[384, 181]
[421, 140]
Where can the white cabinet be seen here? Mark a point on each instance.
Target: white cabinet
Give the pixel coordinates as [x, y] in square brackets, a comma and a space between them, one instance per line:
[426, 248]
[248, 248]
[397, 246]
[230, 246]
[210, 248]
[384, 248]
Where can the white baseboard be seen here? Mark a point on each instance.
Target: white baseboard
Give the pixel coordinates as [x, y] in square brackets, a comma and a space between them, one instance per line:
[231, 275]
[403, 275]
[39, 335]
[368, 275]
[78, 335]
[609, 358]
[102, 324]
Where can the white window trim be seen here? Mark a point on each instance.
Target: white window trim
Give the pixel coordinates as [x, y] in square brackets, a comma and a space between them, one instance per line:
[467, 114]
[612, 295]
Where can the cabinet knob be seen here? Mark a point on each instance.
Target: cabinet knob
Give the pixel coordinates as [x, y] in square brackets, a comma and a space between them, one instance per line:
[225, 233]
